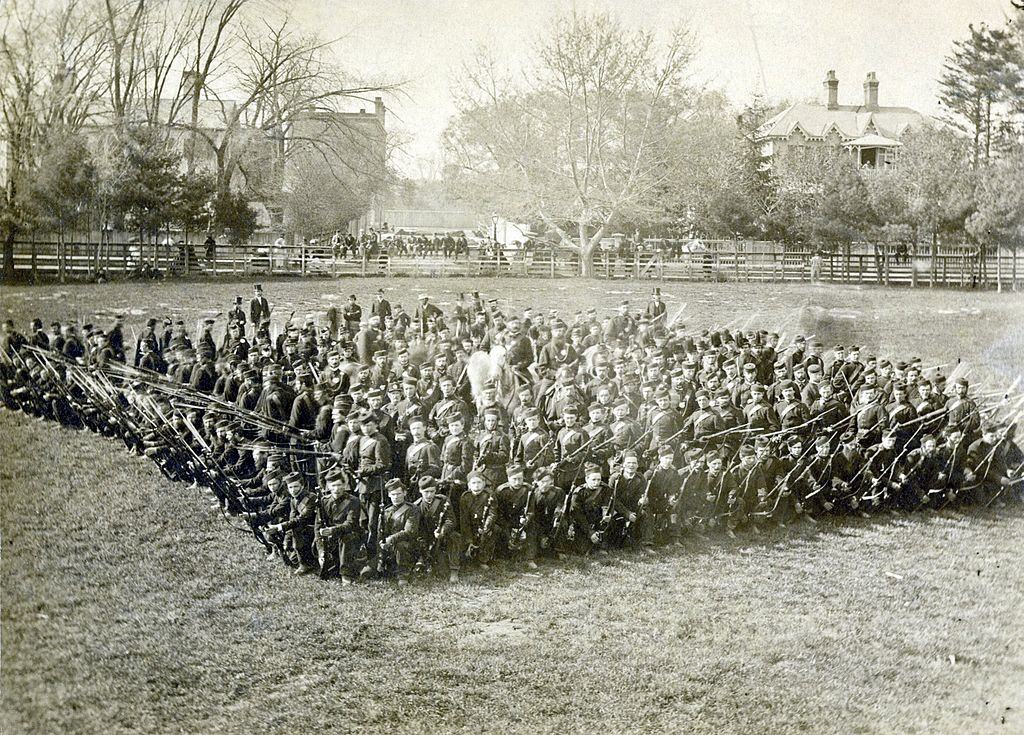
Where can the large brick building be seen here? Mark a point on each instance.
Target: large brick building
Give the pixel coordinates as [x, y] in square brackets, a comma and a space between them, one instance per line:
[868, 131]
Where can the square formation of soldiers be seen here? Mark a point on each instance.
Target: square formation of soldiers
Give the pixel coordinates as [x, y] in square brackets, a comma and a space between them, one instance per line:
[388, 444]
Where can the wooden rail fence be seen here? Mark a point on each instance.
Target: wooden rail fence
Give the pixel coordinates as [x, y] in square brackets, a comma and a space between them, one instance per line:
[720, 261]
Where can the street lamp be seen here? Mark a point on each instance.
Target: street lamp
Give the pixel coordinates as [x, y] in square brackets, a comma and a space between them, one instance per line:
[494, 221]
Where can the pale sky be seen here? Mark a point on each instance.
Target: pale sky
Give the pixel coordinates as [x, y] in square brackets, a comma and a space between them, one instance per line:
[426, 42]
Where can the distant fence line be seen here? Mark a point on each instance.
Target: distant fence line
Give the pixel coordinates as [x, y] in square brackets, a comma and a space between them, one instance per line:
[660, 260]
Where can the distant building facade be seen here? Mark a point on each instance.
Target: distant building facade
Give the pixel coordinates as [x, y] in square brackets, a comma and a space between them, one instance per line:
[354, 145]
[351, 143]
[870, 132]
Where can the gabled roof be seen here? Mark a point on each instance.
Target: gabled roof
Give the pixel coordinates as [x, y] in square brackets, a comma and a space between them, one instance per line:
[873, 141]
[850, 121]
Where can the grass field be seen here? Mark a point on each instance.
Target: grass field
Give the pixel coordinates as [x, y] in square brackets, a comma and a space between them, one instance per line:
[129, 606]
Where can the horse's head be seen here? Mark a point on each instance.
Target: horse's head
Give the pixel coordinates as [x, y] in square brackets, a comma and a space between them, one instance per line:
[498, 356]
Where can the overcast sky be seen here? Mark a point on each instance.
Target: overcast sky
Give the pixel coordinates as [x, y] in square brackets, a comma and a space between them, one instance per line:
[426, 42]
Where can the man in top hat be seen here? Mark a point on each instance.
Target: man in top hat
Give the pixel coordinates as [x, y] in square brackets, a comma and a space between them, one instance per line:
[352, 314]
[237, 315]
[259, 307]
[381, 307]
[148, 336]
[655, 311]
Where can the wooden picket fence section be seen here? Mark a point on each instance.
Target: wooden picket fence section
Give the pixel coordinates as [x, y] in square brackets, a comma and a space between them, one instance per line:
[658, 260]
[48, 260]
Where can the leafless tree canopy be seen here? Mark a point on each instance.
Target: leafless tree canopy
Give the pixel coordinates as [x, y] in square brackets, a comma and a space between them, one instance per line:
[583, 135]
[231, 83]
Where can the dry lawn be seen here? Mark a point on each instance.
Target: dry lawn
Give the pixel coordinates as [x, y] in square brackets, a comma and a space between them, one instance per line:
[129, 606]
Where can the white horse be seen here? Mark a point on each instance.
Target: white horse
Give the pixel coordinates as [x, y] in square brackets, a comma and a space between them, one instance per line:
[492, 367]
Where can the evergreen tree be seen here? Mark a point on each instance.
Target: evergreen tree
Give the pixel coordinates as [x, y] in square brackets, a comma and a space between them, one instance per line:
[982, 85]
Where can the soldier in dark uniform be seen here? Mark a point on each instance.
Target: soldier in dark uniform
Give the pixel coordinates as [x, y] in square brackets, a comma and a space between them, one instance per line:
[337, 530]
[610, 506]
[700, 425]
[880, 466]
[116, 338]
[373, 465]
[962, 411]
[492, 450]
[750, 489]
[448, 406]
[569, 450]
[298, 528]
[869, 417]
[659, 496]
[761, 417]
[516, 517]
[793, 414]
[456, 457]
[423, 457]
[440, 543]
[535, 448]
[665, 422]
[398, 547]
[477, 518]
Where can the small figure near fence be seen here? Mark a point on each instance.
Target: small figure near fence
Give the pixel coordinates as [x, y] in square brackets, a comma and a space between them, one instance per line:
[816, 262]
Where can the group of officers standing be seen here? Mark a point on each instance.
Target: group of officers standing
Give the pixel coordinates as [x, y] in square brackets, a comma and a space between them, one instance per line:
[379, 443]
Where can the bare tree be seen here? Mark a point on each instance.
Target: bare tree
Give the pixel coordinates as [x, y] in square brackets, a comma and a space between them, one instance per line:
[49, 88]
[124, 22]
[211, 41]
[580, 139]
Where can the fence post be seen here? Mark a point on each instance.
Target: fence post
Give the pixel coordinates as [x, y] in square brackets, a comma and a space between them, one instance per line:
[302, 258]
[885, 263]
[931, 275]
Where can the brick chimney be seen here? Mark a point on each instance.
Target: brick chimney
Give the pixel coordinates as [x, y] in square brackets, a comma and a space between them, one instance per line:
[378, 108]
[871, 91]
[831, 85]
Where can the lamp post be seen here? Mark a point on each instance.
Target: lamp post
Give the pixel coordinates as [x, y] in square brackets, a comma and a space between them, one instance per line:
[494, 221]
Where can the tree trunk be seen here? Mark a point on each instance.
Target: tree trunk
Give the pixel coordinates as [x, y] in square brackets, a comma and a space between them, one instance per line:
[988, 128]
[9, 238]
[586, 252]
[587, 261]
